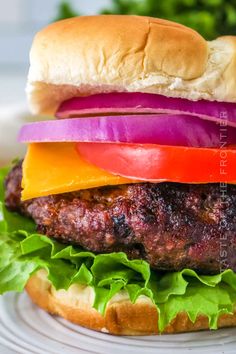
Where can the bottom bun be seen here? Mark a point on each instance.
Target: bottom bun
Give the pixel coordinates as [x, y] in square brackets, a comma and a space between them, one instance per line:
[121, 317]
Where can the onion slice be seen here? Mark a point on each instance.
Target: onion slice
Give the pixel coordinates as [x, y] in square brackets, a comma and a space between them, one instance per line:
[145, 103]
[179, 130]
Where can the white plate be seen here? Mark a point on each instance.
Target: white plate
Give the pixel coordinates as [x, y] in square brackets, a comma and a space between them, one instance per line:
[24, 328]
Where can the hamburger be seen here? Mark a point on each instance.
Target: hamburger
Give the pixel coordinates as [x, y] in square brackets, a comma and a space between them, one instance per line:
[122, 215]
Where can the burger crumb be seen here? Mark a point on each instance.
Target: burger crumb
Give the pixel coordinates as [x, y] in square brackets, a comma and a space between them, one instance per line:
[104, 330]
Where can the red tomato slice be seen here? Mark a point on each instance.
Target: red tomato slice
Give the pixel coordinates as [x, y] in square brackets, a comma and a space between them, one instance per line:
[163, 163]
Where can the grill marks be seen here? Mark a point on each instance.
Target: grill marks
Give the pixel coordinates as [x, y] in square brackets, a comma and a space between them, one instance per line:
[172, 226]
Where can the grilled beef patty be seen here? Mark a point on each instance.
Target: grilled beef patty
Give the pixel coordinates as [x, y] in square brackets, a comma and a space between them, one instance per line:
[170, 225]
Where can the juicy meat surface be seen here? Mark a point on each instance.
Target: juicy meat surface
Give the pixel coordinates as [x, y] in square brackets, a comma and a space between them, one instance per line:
[170, 225]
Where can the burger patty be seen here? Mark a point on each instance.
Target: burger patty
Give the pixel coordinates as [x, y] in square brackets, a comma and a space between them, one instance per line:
[170, 225]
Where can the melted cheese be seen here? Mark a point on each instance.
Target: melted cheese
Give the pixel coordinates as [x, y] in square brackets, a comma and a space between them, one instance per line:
[54, 168]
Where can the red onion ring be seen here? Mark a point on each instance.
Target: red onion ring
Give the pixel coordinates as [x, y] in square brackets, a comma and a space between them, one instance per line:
[140, 103]
[179, 130]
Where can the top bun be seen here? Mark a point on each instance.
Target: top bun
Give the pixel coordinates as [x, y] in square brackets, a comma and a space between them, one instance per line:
[93, 54]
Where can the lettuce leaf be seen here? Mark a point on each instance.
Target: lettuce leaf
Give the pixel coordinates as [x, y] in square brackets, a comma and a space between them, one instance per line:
[23, 252]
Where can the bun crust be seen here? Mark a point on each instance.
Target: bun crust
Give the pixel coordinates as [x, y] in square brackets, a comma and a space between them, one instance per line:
[92, 54]
[121, 317]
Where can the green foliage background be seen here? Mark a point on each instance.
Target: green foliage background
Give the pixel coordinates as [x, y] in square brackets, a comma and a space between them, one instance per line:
[211, 18]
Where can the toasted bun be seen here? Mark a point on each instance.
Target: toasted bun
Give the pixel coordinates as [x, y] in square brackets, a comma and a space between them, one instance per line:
[94, 54]
[121, 317]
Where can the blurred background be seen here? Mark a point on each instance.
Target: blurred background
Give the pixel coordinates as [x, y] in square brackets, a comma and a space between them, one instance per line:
[21, 19]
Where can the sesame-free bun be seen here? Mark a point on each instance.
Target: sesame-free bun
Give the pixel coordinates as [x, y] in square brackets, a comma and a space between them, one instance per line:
[121, 317]
[93, 54]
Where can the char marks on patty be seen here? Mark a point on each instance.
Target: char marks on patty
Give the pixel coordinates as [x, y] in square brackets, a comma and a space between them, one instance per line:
[170, 225]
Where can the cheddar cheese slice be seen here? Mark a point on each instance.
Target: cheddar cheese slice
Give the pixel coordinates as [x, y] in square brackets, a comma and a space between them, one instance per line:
[54, 168]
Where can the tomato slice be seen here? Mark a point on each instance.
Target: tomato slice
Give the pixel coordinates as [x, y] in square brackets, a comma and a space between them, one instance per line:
[158, 163]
